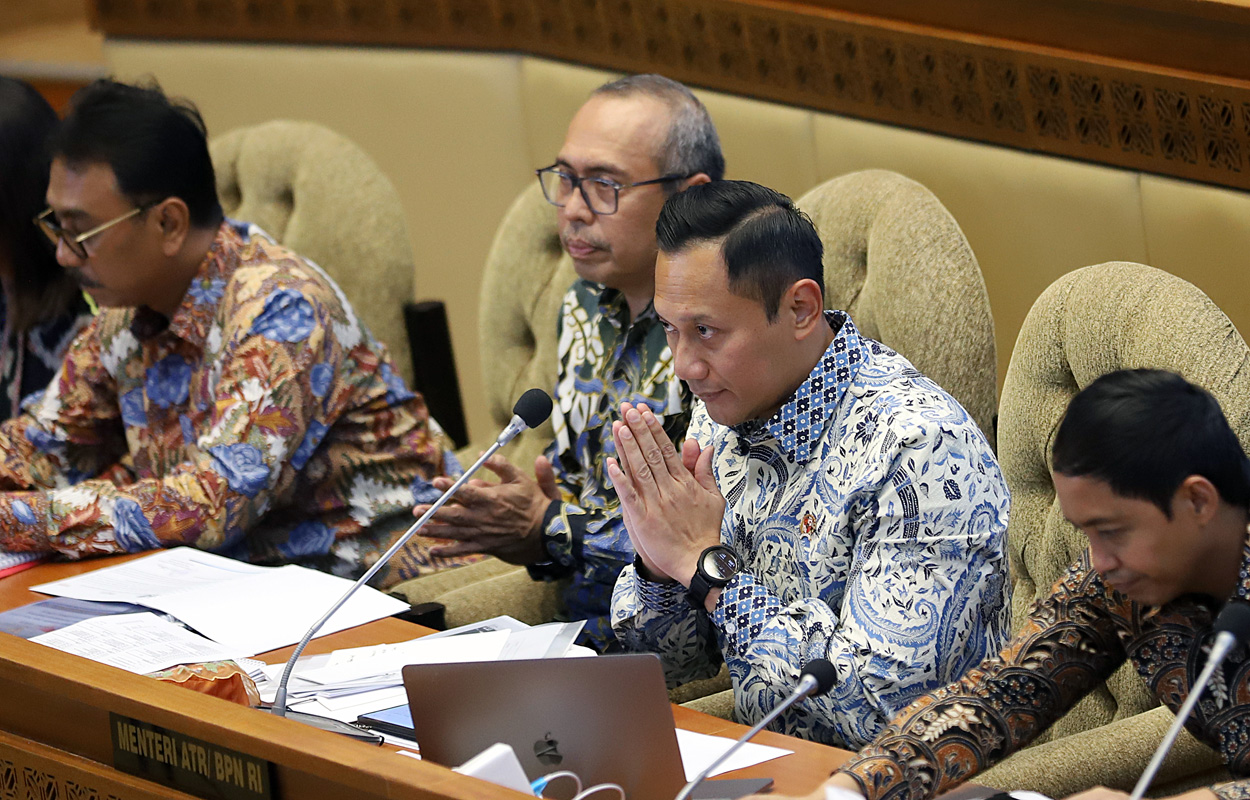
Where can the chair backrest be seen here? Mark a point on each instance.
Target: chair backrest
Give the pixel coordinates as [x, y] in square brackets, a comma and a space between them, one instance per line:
[897, 262]
[527, 273]
[1090, 322]
[322, 196]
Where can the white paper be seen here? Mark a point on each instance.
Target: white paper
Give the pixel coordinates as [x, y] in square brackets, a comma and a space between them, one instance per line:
[349, 712]
[260, 612]
[353, 665]
[162, 571]
[699, 750]
[136, 642]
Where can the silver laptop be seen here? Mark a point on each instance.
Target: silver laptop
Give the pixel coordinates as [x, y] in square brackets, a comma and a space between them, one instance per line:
[606, 718]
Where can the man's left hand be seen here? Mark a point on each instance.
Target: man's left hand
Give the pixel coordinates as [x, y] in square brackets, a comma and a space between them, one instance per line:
[670, 503]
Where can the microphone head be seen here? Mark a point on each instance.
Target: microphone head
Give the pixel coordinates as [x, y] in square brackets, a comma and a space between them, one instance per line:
[1235, 619]
[533, 407]
[824, 674]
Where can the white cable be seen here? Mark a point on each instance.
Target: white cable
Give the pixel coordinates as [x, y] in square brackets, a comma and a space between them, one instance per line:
[539, 785]
[599, 788]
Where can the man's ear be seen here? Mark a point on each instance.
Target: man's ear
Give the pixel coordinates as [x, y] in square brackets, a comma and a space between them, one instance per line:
[1200, 497]
[174, 219]
[696, 179]
[806, 304]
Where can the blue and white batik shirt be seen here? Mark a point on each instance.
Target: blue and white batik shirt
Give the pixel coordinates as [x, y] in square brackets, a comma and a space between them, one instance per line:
[871, 517]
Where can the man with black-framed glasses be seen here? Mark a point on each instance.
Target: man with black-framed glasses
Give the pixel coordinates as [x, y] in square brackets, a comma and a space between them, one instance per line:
[226, 396]
[634, 143]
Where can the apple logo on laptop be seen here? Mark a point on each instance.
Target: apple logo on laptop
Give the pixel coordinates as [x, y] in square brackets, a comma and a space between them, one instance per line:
[547, 750]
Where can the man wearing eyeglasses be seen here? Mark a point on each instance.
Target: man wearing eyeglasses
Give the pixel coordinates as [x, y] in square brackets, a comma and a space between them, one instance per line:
[634, 143]
[226, 396]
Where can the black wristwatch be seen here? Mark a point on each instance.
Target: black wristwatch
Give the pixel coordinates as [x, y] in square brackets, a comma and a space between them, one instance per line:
[716, 567]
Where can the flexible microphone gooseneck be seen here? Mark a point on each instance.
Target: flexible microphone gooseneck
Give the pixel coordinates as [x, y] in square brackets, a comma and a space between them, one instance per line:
[816, 678]
[529, 412]
[1231, 626]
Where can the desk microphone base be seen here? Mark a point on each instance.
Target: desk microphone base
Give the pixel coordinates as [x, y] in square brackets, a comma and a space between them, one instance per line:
[327, 724]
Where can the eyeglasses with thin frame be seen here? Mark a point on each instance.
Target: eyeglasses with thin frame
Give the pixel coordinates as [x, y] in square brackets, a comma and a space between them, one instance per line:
[602, 195]
[77, 242]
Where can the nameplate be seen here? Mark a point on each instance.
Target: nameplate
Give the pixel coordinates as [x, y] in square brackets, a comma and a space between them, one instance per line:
[187, 764]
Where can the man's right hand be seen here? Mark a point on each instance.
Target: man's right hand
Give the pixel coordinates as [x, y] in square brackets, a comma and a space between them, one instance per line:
[502, 519]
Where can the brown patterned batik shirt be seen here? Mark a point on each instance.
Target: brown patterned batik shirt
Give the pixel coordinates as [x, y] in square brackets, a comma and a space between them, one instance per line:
[1071, 642]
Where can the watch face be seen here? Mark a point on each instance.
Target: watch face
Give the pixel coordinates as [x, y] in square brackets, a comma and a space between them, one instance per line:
[721, 563]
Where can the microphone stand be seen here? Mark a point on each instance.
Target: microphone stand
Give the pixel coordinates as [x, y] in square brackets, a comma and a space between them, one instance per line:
[1232, 624]
[278, 707]
[808, 684]
[1219, 650]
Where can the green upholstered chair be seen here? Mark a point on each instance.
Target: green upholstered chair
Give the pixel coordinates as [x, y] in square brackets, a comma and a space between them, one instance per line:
[1088, 323]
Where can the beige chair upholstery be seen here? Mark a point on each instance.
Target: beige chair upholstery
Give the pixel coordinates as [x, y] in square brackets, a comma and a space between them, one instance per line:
[897, 262]
[319, 194]
[527, 275]
[1090, 322]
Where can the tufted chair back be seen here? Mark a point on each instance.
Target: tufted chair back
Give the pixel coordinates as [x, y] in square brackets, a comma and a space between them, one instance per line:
[322, 196]
[1088, 323]
[527, 273]
[897, 262]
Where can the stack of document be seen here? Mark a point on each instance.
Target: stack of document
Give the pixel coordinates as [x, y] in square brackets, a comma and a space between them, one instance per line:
[347, 683]
[235, 609]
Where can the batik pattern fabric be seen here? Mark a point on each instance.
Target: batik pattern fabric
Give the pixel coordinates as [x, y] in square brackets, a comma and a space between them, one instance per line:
[29, 358]
[1071, 642]
[261, 421]
[605, 359]
[871, 518]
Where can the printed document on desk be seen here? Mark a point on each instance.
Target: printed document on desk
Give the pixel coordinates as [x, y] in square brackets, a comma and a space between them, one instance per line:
[161, 572]
[139, 643]
[247, 608]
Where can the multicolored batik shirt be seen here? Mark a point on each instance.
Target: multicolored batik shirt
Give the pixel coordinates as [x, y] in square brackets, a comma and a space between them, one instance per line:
[262, 421]
[871, 518]
[605, 360]
[1070, 643]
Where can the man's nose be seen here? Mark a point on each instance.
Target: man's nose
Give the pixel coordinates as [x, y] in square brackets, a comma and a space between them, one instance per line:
[1102, 559]
[687, 363]
[576, 207]
[65, 256]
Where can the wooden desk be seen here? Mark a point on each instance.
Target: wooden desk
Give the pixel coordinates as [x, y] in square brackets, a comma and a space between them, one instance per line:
[55, 741]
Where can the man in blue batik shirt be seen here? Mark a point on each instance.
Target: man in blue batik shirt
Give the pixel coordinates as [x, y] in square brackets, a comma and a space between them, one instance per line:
[866, 516]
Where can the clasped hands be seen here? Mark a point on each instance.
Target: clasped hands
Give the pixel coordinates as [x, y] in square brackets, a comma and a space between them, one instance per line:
[669, 501]
[503, 519]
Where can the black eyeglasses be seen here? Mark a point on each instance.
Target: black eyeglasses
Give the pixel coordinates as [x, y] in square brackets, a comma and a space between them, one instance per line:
[602, 195]
[77, 242]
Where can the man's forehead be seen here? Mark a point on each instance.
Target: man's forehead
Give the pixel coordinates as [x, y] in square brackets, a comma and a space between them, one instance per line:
[79, 186]
[621, 133]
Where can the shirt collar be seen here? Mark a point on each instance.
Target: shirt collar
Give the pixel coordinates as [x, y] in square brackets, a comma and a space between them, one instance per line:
[801, 420]
[192, 318]
[612, 305]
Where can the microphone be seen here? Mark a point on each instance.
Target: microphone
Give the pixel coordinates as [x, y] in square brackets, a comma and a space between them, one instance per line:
[816, 678]
[529, 412]
[1231, 626]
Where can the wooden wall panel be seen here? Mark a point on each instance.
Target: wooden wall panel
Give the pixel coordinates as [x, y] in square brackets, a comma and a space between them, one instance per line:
[1154, 85]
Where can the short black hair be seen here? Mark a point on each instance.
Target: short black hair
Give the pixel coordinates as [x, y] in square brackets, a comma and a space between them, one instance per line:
[156, 146]
[42, 289]
[691, 145]
[768, 244]
[1144, 431]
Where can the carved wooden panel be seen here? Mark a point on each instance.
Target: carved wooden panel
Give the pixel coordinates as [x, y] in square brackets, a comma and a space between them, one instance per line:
[31, 772]
[1188, 124]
